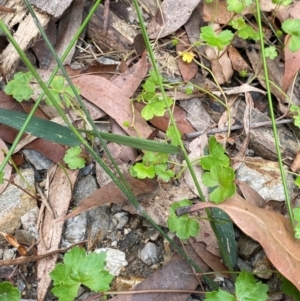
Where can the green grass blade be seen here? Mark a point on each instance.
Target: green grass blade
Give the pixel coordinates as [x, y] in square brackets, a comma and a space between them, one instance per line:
[38, 127]
[55, 132]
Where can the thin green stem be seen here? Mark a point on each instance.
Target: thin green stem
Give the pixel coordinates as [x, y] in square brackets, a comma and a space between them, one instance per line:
[164, 96]
[277, 142]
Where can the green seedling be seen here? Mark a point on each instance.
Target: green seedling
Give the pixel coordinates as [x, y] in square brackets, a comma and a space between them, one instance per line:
[8, 292]
[73, 158]
[271, 52]
[153, 164]
[155, 106]
[60, 90]
[219, 174]
[246, 289]
[292, 27]
[79, 268]
[244, 30]
[213, 39]
[19, 86]
[184, 226]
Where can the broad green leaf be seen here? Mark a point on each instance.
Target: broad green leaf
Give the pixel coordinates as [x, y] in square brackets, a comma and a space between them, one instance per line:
[216, 155]
[162, 172]
[8, 292]
[247, 289]
[19, 86]
[154, 158]
[141, 171]
[216, 40]
[41, 128]
[237, 6]
[171, 133]
[292, 27]
[79, 268]
[220, 295]
[282, 2]
[73, 159]
[222, 178]
[153, 108]
[289, 289]
[184, 226]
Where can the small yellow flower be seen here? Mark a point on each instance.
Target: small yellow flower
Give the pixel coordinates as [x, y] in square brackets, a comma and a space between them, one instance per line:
[186, 56]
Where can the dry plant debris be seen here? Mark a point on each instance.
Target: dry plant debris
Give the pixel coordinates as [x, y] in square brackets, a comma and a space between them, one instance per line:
[200, 64]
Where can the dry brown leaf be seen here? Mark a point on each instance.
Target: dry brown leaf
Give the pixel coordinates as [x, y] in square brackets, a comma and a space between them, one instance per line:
[7, 169]
[291, 66]
[60, 194]
[187, 70]
[273, 231]
[170, 17]
[295, 166]
[111, 194]
[238, 62]
[251, 195]
[213, 261]
[130, 80]
[112, 100]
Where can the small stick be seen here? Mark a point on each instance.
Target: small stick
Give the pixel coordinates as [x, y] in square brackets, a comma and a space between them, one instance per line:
[105, 17]
[7, 9]
[236, 127]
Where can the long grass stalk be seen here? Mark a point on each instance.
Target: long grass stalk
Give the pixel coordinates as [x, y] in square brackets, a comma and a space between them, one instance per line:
[277, 142]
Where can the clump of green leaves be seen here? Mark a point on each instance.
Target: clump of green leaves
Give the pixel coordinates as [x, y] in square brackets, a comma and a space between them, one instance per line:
[61, 92]
[271, 52]
[79, 268]
[155, 106]
[73, 157]
[8, 292]
[184, 226]
[292, 27]
[244, 30]
[153, 164]
[246, 289]
[213, 39]
[219, 175]
[19, 86]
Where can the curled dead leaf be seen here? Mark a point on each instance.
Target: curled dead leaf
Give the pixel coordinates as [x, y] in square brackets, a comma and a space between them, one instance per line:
[273, 231]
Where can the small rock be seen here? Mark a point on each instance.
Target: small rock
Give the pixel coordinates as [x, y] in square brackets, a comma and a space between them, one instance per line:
[14, 203]
[248, 247]
[120, 219]
[84, 188]
[29, 221]
[75, 229]
[262, 266]
[149, 254]
[243, 265]
[38, 160]
[264, 177]
[8, 254]
[115, 260]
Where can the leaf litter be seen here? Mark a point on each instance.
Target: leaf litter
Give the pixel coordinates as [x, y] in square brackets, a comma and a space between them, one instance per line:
[113, 96]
